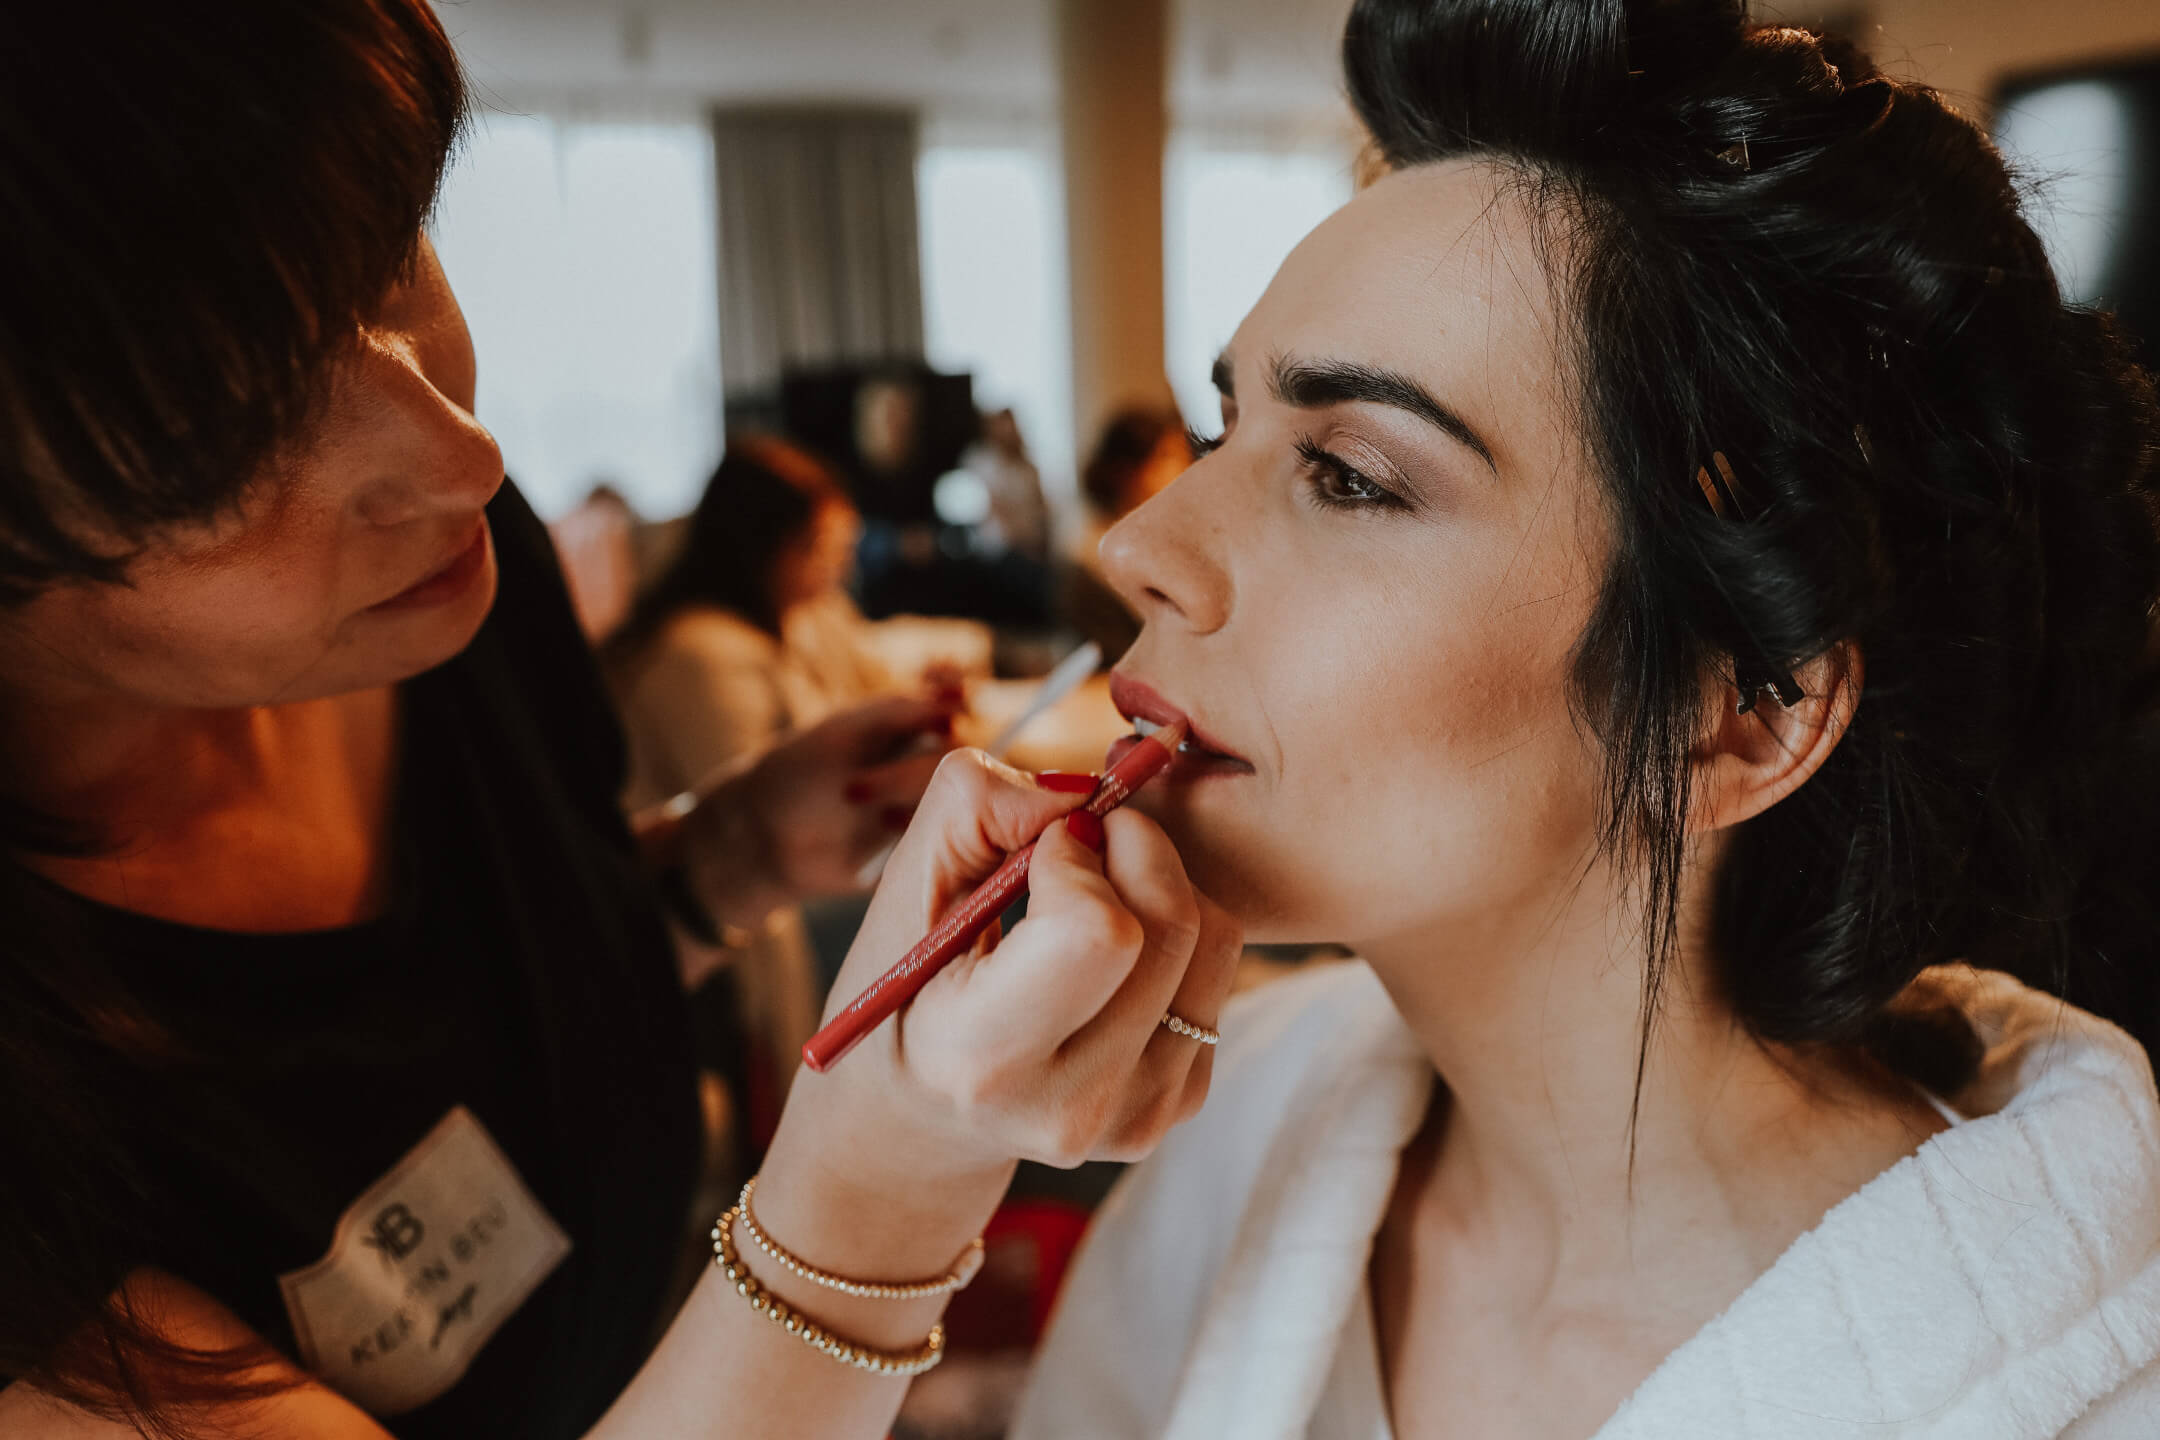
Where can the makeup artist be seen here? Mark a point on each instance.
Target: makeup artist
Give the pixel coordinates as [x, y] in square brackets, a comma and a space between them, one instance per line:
[343, 1081]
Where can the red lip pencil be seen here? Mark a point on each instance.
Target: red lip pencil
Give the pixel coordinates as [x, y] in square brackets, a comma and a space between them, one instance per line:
[965, 924]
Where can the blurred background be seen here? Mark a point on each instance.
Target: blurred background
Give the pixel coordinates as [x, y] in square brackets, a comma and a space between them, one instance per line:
[942, 280]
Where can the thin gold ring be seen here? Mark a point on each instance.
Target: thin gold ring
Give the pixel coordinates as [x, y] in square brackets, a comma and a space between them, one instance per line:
[1177, 1025]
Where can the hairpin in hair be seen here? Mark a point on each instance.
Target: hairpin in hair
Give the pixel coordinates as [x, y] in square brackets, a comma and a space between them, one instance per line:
[1735, 157]
[1752, 676]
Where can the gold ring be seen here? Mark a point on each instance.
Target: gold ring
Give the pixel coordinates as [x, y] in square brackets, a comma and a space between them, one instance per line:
[1178, 1026]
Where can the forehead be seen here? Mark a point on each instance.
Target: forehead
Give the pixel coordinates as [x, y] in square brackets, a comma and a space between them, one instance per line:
[1437, 271]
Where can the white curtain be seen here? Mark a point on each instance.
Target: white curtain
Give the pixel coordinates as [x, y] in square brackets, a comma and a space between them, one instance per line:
[819, 262]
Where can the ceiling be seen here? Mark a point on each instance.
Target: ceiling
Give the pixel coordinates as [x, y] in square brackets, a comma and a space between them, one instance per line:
[1235, 61]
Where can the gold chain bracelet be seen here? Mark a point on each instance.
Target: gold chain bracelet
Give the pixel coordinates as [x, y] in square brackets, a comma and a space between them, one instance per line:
[956, 1279]
[803, 1328]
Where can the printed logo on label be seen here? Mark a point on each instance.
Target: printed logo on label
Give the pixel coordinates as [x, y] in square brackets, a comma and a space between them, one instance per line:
[422, 1270]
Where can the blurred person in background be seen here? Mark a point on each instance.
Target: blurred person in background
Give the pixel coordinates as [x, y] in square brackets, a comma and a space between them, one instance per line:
[746, 636]
[1019, 521]
[1140, 451]
[748, 633]
[596, 544]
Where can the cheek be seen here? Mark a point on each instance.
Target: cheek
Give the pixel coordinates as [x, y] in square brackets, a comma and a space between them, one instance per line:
[1427, 766]
[226, 629]
[1447, 778]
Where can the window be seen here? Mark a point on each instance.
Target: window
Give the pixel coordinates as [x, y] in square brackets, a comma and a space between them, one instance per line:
[2072, 144]
[993, 247]
[583, 256]
[1230, 218]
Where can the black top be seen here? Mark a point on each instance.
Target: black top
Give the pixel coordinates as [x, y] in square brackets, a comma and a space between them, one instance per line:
[522, 971]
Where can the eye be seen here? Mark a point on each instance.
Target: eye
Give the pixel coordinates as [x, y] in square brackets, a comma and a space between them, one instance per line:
[1203, 445]
[1335, 482]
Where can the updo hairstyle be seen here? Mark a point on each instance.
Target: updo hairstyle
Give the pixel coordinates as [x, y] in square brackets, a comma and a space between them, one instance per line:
[1773, 252]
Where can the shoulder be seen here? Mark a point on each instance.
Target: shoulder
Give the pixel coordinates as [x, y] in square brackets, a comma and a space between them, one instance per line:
[697, 655]
[715, 636]
[2012, 1259]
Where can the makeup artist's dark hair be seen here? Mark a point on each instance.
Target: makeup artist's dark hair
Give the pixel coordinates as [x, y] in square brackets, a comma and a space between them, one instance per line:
[1774, 251]
[202, 204]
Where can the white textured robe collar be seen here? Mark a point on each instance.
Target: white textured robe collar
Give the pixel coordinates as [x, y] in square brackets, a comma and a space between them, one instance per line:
[1995, 1285]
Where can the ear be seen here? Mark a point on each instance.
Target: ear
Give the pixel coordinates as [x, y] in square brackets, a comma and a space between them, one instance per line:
[1744, 764]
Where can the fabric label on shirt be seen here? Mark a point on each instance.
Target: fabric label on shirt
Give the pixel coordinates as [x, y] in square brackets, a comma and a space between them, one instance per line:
[422, 1270]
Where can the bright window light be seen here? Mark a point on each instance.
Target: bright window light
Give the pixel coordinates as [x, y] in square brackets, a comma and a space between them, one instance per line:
[583, 256]
[994, 286]
[1230, 218]
[2071, 145]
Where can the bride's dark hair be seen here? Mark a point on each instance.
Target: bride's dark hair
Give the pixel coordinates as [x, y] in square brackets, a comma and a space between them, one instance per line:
[1775, 252]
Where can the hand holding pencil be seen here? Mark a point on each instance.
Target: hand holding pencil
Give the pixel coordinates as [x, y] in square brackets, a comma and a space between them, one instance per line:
[1045, 1043]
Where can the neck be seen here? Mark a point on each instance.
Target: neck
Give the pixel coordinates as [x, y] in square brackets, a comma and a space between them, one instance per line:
[1533, 1022]
[133, 776]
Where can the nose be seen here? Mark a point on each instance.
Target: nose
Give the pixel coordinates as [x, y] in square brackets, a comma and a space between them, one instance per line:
[425, 454]
[1166, 558]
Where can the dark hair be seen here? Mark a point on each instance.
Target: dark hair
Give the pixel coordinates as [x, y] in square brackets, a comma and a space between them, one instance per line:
[1128, 441]
[203, 205]
[764, 496]
[1776, 252]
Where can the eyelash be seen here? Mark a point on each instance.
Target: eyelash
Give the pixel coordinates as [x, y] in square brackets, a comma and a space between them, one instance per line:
[1325, 466]
[1322, 466]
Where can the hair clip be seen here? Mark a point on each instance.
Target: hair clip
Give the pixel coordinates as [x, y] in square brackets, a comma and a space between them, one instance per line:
[1735, 157]
[1723, 492]
[1750, 676]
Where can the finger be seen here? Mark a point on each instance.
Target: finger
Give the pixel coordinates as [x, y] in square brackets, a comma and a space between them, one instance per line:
[973, 814]
[946, 684]
[1145, 869]
[1181, 1065]
[1205, 987]
[1054, 971]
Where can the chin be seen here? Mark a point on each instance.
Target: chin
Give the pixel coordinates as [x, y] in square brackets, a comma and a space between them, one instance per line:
[1264, 887]
[393, 648]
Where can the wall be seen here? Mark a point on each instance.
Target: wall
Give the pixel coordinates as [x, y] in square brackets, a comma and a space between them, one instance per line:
[1964, 47]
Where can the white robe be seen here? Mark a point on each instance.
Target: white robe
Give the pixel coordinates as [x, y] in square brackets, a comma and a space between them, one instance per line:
[2001, 1283]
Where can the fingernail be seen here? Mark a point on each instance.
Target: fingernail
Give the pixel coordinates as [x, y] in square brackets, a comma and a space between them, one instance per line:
[857, 791]
[1066, 782]
[1086, 827]
[896, 817]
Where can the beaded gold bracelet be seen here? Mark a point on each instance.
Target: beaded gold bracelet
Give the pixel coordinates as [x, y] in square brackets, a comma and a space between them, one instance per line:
[955, 1279]
[803, 1328]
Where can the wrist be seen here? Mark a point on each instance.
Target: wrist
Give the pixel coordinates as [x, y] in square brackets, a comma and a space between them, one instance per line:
[872, 1205]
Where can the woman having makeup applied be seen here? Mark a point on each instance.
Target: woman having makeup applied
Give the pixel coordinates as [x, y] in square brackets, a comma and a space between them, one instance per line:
[1673, 589]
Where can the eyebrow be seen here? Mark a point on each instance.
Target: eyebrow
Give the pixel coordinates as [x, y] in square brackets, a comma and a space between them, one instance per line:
[1315, 384]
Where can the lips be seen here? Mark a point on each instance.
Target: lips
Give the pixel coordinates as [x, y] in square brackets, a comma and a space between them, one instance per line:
[1201, 754]
[449, 579]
